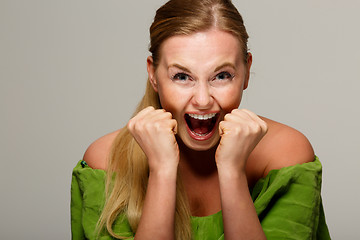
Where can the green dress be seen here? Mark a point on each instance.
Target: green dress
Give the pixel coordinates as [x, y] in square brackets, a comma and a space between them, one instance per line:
[287, 201]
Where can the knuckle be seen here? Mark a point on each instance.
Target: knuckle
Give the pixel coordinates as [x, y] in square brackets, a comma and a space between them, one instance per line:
[136, 127]
[238, 131]
[130, 124]
[255, 128]
[168, 114]
[265, 127]
[226, 117]
[160, 110]
[157, 126]
[234, 111]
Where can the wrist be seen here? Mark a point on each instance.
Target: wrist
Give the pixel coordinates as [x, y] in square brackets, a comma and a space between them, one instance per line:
[231, 171]
[233, 167]
[166, 173]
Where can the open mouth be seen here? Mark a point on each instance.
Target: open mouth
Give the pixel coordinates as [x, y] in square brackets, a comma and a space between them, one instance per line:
[201, 125]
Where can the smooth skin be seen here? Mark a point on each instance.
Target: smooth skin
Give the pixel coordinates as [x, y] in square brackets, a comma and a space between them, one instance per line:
[205, 73]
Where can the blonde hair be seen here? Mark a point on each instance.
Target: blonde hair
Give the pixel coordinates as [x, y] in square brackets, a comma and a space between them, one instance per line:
[128, 171]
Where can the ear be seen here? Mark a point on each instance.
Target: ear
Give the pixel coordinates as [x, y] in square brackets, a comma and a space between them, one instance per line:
[151, 73]
[248, 67]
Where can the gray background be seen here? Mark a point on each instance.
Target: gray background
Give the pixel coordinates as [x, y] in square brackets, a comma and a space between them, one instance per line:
[72, 71]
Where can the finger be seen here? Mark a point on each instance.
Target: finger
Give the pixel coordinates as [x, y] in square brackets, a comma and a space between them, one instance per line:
[245, 115]
[251, 114]
[170, 124]
[161, 119]
[149, 113]
[262, 123]
[144, 112]
[224, 127]
[221, 132]
[174, 126]
[140, 117]
[162, 114]
[237, 115]
[157, 116]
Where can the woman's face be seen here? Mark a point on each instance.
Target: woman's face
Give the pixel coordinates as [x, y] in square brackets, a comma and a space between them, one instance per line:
[199, 79]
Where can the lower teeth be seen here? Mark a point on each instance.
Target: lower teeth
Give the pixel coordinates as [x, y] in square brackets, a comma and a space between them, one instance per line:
[200, 134]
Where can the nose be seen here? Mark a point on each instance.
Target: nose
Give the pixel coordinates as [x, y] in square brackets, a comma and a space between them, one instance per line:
[202, 96]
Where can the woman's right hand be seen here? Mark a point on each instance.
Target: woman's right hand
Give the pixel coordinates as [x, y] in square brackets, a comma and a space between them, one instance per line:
[154, 130]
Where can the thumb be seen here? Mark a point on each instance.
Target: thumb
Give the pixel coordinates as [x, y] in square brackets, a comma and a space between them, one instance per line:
[221, 128]
[175, 127]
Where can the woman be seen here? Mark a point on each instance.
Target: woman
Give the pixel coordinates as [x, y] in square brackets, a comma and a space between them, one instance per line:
[190, 164]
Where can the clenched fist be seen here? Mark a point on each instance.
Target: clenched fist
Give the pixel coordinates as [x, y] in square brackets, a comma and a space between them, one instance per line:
[154, 130]
[240, 131]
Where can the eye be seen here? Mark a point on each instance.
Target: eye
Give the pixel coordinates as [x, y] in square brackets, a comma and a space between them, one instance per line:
[224, 76]
[181, 77]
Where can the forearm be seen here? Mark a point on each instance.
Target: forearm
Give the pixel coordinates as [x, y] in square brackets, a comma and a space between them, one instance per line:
[239, 215]
[158, 215]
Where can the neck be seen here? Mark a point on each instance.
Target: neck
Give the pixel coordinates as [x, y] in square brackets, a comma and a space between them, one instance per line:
[200, 163]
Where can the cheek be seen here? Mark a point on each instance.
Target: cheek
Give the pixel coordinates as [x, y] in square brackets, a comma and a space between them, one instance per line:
[171, 99]
[230, 99]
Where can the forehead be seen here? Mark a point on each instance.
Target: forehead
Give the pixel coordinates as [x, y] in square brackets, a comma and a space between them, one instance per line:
[208, 47]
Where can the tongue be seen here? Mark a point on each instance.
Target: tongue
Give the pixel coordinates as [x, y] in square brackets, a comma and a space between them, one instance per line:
[201, 130]
[200, 126]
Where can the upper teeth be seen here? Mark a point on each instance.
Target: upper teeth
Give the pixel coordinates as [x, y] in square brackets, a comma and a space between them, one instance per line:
[202, 117]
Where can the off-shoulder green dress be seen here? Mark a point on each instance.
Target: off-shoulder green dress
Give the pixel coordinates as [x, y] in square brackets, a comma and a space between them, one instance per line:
[287, 201]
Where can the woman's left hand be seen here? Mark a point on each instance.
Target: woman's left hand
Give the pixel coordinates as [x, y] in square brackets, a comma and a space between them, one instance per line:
[240, 131]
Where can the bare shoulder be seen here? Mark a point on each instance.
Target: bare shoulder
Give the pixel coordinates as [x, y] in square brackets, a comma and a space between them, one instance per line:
[96, 156]
[282, 146]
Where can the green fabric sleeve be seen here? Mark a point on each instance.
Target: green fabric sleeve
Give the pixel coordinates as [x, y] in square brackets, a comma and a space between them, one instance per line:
[288, 203]
[87, 200]
[76, 210]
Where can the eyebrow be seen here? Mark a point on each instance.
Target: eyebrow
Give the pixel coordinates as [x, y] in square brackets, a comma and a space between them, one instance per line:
[227, 64]
[180, 67]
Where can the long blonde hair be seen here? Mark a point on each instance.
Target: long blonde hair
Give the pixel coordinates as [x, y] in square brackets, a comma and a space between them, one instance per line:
[128, 170]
